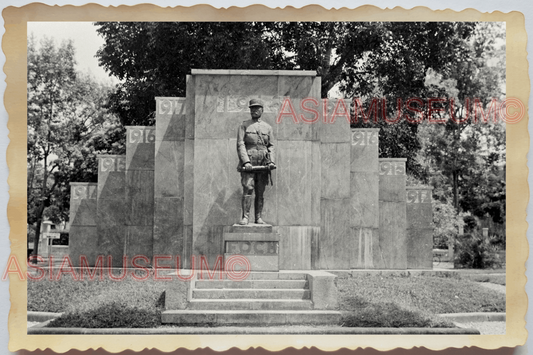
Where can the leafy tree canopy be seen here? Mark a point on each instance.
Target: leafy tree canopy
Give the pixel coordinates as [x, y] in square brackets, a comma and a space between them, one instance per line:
[465, 163]
[152, 58]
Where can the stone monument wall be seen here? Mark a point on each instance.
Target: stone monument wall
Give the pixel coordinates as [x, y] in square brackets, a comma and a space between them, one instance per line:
[333, 204]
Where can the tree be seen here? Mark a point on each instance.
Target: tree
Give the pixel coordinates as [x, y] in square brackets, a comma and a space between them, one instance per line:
[466, 162]
[66, 124]
[396, 70]
[445, 223]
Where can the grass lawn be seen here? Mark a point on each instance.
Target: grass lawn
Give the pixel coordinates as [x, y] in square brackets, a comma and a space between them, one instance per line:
[366, 301]
[99, 303]
[369, 300]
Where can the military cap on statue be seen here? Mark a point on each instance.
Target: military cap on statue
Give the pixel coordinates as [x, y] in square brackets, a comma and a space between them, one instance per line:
[256, 102]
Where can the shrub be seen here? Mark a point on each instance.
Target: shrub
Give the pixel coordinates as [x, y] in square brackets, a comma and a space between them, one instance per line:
[499, 241]
[475, 252]
[470, 224]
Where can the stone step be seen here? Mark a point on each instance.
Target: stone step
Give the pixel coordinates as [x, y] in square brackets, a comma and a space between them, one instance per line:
[218, 293]
[251, 304]
[277, 276]
[244, 317]
[255, 284]
[257, 275]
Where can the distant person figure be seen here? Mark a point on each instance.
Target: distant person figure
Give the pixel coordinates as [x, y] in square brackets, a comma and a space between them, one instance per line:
[255, 149]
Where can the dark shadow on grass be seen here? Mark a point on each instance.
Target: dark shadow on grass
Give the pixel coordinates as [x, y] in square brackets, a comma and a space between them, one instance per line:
[388, 315]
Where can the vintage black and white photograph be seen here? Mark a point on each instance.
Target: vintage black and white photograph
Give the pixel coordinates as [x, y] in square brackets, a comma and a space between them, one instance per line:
[327, 178]
[267, 177]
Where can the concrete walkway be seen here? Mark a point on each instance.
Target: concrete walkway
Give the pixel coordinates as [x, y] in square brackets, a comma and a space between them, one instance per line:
[255, 330]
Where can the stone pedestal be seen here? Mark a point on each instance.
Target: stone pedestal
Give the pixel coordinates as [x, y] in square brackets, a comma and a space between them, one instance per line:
[256, 242]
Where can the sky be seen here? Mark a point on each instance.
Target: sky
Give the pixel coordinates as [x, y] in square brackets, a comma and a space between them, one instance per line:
[86, 42]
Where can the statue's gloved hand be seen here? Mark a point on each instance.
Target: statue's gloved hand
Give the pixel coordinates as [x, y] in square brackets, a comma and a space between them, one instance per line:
[271, 166]
[247, 167]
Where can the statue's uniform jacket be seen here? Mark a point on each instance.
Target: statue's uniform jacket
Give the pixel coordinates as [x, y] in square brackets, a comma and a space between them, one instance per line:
[250, 147]
[255, 150]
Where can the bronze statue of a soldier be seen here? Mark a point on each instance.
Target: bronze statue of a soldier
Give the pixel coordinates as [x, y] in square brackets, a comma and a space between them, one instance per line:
[255, 149]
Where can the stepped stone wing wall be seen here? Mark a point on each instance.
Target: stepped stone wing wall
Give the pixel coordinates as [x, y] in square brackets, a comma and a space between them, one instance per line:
[111, 207]
[391, 252]
[170, 232]
[140, 143]
[335, 142]
[419, 216]
[364, 192]
[83, 241]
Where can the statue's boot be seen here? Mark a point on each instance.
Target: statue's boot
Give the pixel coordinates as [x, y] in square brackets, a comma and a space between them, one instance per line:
[259, 210]
[246, 205]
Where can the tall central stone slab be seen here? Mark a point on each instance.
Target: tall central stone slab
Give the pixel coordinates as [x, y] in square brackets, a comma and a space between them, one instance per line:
[220, 105]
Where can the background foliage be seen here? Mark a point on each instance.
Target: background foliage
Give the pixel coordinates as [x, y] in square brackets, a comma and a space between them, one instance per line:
[68, 124]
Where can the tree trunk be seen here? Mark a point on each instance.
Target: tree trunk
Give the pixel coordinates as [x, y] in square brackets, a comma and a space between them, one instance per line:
[40, 211]
[37, 228]
[455, 171]
[455, 176]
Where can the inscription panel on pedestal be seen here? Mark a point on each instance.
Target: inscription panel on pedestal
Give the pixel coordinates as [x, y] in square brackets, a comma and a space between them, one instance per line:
[252, 247]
